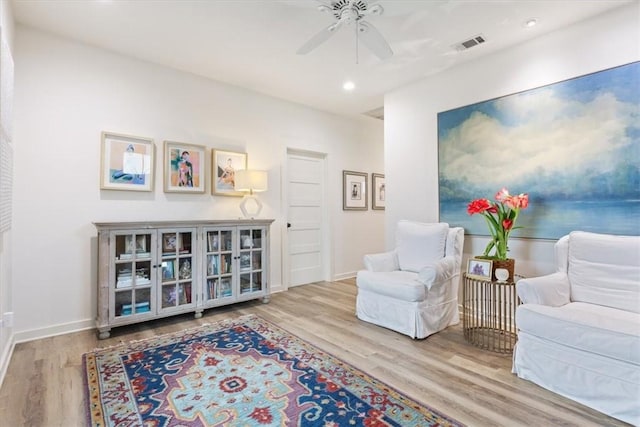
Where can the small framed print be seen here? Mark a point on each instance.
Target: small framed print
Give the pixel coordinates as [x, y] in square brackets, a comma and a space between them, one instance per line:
[378, 191]
[141, 243]
[354, 191]
[129, 244]
[126, 163]
[168, 270]
[224, 165]
[169, 242]
[184, 168]
[478, 268]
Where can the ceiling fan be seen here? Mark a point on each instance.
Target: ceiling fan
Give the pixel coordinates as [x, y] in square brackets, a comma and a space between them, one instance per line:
[346, 13]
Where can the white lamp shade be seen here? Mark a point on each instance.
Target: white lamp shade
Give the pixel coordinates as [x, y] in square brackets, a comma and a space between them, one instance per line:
[250, 180]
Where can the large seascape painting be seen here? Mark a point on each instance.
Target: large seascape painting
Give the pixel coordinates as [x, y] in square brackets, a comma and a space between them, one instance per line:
[574, 146]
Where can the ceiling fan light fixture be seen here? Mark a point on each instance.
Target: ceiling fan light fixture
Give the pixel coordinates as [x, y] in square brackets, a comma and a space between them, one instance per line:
[346, 14]
[348, 86]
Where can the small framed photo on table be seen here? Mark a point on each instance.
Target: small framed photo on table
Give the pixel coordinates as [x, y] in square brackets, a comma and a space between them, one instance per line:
[354, 191]
[479, 268]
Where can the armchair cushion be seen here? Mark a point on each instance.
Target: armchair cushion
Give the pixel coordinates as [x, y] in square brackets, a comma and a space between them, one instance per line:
[386, 261]
[401, 285]
[552, 290]
[604, 269]
[419, 244]
[594, 329]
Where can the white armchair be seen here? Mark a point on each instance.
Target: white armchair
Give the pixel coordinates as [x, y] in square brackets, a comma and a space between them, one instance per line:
[579, 328]
[414, 288]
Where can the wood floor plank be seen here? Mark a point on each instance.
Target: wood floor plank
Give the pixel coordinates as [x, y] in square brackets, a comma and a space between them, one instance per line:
[44, 386]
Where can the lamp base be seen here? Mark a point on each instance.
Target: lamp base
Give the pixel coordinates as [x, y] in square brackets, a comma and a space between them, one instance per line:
[250, 206]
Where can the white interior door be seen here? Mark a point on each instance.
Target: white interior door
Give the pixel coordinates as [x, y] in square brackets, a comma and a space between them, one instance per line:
[306, 224]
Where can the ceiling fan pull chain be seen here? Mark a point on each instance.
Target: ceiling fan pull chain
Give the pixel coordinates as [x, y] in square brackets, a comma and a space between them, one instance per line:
[357, 31]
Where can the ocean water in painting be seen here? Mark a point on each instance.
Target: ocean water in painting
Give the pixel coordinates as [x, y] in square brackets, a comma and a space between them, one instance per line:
[574, 146]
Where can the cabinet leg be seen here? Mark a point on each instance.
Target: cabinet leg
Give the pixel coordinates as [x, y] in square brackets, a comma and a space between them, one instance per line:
[197, 315]
[266, 299]
[104, 334]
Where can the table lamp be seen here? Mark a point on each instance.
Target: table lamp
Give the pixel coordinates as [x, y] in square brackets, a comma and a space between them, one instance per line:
[250, 181]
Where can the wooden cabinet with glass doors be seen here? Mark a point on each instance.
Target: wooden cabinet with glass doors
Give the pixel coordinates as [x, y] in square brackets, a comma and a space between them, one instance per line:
[148, 270]
[234, 260]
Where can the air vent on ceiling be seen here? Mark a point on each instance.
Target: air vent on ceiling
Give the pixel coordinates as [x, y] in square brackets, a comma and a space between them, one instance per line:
[377, 113]
[468, 44]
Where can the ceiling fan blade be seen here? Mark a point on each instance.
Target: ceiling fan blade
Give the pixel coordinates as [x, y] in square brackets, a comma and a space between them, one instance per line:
[373, 40]
[373, 9]
[319, 38]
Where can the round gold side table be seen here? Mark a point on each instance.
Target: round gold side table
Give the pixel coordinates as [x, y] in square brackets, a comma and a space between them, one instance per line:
[489, 313]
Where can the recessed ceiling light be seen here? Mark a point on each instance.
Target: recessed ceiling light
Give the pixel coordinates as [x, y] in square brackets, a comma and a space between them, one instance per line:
[349, 86]
[530, 22]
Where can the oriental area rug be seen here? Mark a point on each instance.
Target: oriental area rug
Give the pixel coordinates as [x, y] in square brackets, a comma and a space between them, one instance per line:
[240, 372]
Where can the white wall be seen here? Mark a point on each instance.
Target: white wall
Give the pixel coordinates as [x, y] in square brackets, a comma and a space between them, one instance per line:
[67, 93]
[6, 286]
[411, 139]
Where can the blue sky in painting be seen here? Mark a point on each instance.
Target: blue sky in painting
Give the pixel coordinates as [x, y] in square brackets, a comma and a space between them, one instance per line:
[576, 140]
[623, 82]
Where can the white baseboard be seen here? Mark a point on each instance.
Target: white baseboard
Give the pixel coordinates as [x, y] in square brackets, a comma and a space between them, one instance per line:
[5, 358]
[277, 288]
[52, 331]
[343, 276]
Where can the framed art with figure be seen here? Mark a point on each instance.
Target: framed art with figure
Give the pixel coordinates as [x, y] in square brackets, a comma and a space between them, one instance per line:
[127, 162]
[184, 168]
[354, 191]
[224, 165]
[378, 191]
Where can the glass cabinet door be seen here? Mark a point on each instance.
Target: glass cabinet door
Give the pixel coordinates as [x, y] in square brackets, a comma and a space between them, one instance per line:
[251, 261]
[218, 271]
[132, 279]
[176, 269]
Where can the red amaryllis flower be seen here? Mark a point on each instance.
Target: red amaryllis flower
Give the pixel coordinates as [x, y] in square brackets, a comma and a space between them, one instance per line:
[478, 206]
[501, 217]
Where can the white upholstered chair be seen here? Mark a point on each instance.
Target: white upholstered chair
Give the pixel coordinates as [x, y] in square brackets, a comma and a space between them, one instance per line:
[414, 288]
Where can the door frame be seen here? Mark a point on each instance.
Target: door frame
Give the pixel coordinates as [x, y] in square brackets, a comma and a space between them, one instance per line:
[327, 236]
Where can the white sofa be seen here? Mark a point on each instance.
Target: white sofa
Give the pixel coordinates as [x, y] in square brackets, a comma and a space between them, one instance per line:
[414, 288]
[579, 328]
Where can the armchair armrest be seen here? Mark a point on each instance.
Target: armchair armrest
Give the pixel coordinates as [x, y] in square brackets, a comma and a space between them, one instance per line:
[552, 290]
[385, 261]
[438, 272]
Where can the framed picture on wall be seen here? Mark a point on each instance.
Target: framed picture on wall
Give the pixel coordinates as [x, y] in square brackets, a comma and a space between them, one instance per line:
[224, 165]
[184, 168]
[377, 191]
[599, 192]
[354, 191]
[126, 162]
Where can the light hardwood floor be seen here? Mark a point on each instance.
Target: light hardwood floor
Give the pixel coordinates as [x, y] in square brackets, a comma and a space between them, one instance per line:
[43, 385]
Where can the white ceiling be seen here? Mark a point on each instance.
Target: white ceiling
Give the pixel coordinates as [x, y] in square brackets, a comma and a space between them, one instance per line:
[253, 43]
